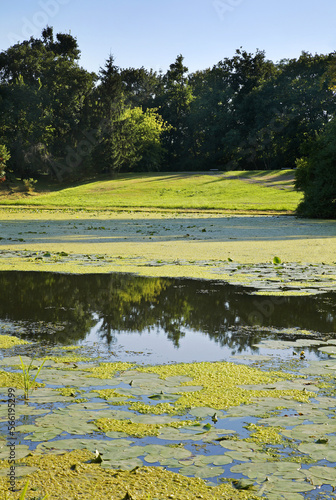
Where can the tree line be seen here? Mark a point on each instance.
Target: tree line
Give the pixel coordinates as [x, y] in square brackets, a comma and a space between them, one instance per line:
[244, 113]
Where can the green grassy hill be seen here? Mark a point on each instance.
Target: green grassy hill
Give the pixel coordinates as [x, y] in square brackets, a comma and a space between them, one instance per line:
[239, 191]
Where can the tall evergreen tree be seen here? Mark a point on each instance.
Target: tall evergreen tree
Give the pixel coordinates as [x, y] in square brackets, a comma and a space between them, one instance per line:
[174, 104]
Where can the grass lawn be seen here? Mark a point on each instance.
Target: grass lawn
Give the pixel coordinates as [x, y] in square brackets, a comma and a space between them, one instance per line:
[257, 191]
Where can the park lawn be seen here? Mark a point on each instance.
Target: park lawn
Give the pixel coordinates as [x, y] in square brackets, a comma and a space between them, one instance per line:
[261, 191]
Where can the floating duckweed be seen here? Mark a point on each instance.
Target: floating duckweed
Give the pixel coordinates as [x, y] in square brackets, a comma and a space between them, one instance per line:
[75, 475]
[220, 381]
[110, 393]
[8, 341]
[71, 347]
[69, 391]
[154, 409]
[70, 358]
[9, 379]
[107, 370]
[136, 429]
[264, 435]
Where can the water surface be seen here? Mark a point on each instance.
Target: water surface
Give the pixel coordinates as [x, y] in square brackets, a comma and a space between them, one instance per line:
[157, 320]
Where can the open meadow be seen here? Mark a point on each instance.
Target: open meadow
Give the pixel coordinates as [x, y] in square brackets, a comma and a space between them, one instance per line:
[255, 191]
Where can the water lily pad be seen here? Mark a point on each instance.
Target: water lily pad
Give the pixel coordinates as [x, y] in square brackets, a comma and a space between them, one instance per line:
[204, 412]
[261, 470]
[150, 459]
[306, 432]
[20, 471]
[244, 456]
[80, 444]
[241, 446]
[244, 484]
[319, 451]
[89, 406]
[276, 488]
[161, 451]
[322, 475]
[115, 434]
[212, 459]
[44, 434]
[328, 349]
[15, 361]
[202, 472]
[276, 495]
[26, 428]
[122, 464]
[21, 451]
[172, 463]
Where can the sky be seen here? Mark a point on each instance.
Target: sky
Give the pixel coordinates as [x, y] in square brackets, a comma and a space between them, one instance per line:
[152, 33]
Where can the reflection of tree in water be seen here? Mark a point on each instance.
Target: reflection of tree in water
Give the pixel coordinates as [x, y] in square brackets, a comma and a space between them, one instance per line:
[137, 304]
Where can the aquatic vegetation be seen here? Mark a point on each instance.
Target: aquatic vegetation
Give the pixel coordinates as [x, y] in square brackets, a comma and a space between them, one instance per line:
[141, 402]
[265, 435]
[222, 384]
[9, 379]
[24, 491]
[71, 347]
[157, 409]
[8, 341]
[28, 380]
[70, 358]
[137, 429]
[107, 370]
[110, 393]
[68, 391]
[76, 475]
[206, 254]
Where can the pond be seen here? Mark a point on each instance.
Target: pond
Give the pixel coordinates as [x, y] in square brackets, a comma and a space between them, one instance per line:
[111, 343]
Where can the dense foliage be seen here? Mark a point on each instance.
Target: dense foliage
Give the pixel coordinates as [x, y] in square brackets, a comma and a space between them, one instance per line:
[316, 176]
[246, 112]
[4, 157]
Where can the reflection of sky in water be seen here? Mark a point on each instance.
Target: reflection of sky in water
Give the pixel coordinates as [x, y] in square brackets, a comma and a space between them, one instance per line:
[154, 346]
[157, 348]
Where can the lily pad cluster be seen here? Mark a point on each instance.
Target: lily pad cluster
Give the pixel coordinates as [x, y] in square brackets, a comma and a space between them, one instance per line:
[187, 417]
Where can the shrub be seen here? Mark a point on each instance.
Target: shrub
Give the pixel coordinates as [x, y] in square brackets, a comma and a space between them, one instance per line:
[29, 184]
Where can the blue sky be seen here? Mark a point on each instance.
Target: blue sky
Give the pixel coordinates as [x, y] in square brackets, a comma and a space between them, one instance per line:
[151, 33]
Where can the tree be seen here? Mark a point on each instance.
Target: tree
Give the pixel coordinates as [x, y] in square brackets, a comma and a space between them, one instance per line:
[316, 175]
[142, 139]
[134, 142]
[43, 92]
[4, 157]
[141, 87]
[174, 104]
[223, 112]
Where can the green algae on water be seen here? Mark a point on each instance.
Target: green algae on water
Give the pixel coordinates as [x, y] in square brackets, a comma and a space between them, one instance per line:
[137, 429]
[76, 475]
[107, 370]
[222, 384]
[8, 341]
